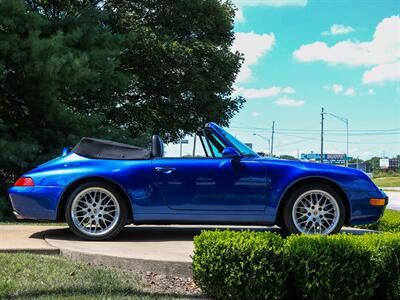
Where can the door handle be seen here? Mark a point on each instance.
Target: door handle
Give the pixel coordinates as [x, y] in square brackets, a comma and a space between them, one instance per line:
[165, 170]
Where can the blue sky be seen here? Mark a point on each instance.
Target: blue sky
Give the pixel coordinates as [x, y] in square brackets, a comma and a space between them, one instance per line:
[303, 55]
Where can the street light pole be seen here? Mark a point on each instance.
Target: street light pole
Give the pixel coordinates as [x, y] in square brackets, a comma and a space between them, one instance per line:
[346, 121]
[272, 138]
[347, 143]
[322, 135]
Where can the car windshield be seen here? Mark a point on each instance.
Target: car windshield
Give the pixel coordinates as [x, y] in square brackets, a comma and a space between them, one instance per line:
[243, 149]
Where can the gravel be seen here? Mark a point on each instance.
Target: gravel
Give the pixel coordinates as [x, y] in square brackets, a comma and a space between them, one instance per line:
[174, 285]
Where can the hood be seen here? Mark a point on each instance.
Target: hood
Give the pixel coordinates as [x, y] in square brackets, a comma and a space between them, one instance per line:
[312, 166]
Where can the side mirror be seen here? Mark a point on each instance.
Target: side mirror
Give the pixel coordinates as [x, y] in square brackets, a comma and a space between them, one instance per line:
[230, 152]
[65, 151]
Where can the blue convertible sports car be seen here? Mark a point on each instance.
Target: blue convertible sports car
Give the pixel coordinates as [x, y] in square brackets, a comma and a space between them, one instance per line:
[100, 186]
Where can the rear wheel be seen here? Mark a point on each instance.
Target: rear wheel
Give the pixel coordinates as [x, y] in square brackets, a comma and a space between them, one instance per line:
[96, 211]
[314, 209]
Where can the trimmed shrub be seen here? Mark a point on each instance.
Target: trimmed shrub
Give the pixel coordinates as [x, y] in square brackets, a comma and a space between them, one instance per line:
[261, 265]
[240, 265]
[390, 222]
[385, 250]
[329, 267]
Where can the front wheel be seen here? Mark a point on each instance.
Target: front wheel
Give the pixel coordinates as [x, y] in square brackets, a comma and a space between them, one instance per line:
[314, 209]
[96, 211]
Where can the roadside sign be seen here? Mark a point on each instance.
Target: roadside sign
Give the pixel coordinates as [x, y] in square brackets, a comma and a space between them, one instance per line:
[384, 163]
[331, 158]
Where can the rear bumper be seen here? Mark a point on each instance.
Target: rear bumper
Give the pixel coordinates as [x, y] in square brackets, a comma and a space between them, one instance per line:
[37, 203]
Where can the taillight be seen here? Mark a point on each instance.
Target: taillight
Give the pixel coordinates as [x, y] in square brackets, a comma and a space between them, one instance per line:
[24, 181]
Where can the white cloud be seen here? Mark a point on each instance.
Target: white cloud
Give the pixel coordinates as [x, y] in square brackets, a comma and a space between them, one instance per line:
[276, 3]
[337, 29]
[289, 90]
[286, 101]
[350, 92]
[382, 52]
[255, 114]
[339, 89]
[253, 46]
[384, 48]
[383, 73]
[263, 92]
[239, 16]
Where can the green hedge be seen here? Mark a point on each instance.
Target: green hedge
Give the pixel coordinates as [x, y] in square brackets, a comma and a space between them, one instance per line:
[240, 265]
[262, 265]
[330, 267]
[385, 251]
[390, 222]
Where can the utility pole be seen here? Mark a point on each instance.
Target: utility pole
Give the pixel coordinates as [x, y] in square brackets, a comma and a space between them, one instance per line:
[194, 145]
[346, 121]
[347, 143]
[272, 138]
[322, 135]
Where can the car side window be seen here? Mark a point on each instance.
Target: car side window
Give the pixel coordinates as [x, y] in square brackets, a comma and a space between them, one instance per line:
[216, 144]
[205, 146]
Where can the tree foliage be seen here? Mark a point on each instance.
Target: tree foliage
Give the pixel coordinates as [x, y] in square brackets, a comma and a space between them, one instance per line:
[110, 69]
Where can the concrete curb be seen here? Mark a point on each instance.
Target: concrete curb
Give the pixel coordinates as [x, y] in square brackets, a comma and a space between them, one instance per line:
[165, 250]
[54, 251]
[173, 268]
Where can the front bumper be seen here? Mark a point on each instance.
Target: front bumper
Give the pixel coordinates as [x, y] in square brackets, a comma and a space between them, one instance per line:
[37, 203]
[362, 212]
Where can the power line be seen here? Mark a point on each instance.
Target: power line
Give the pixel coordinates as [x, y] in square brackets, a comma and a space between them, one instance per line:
[249, 127]
[330, 132]
[334, 141]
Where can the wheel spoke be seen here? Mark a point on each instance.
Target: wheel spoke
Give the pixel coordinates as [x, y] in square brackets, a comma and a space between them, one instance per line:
[315, 211]
[95, 211]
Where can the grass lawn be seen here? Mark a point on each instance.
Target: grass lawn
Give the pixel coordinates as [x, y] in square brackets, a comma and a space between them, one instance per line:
[387, 181]
[27, 276]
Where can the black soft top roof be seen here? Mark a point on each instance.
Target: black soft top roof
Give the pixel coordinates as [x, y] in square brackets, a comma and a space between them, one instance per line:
[95, 148]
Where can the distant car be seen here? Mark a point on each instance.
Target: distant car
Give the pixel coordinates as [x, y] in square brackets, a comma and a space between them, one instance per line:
[100, 186]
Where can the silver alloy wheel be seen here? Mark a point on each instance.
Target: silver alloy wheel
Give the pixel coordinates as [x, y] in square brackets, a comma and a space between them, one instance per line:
[315, 211]
[95, 211]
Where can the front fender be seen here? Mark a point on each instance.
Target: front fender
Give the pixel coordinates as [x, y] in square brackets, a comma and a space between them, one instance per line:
[356, 185]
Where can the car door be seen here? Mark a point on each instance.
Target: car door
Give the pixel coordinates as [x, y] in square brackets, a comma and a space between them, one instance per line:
[211, 184]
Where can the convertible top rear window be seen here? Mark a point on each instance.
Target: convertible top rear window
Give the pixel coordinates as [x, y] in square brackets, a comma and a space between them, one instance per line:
[95, 148]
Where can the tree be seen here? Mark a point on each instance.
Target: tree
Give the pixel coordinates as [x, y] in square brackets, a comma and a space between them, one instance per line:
[288, 157]
[110, 69]
[355, 160]
[176, 56]
[372, 164]
[41, 64]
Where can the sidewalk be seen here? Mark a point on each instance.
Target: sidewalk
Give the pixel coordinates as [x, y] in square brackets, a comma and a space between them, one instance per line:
[394, 188]
[164, 249]
[26, 238]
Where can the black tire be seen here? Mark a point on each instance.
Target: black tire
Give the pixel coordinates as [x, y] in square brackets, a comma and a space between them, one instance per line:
[120, 221]
[287, 217]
